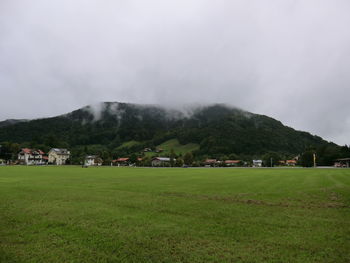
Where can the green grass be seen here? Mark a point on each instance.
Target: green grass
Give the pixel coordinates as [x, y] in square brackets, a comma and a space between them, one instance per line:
[128, 144]
[177, 147]
[110, 214]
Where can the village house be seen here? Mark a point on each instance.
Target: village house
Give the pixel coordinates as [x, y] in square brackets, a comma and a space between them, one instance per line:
[342, 163]
[121, 161]
[257, 163]
[32, 157]
[210, 162]
[93, 160]
[291, 162]
[232, 162]
[58, 156]
[161, 161]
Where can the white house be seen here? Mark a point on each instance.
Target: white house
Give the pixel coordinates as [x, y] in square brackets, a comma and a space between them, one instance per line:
[161, 161]
[31, 157]
[257, 163]
[92, 160]
[58, 156]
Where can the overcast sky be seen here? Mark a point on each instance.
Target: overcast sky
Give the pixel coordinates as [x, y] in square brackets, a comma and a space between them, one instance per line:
[287, 59]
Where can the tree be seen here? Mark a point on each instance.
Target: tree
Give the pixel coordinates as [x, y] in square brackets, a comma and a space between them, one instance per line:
[133, 158]
[188, 158]
[233, 156]
[271, 159]
[179, 162]
[307, 159]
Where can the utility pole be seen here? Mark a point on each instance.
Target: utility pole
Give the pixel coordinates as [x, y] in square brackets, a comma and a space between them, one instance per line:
[271, 161]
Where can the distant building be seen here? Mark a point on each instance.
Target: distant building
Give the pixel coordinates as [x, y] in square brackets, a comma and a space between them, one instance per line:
[2, 162]
[291, 162]
[257, 163]
[161, 161]
[58, 156]
[121, 161]
[31, 157]
[342, 163]
[93, 160]
[232, 162]
[210, 162]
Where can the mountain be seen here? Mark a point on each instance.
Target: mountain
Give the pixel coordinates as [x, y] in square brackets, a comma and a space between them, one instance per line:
[11, 122]
[123, 128]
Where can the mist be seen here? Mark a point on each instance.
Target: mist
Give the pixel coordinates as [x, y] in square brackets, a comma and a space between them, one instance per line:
[286, 59]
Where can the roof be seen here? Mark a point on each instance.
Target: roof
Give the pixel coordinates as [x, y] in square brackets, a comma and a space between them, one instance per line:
[26, 150]
[32, 151]
[60, 151]
[122, 160]
[163, 159]
[90, 157]
[257, 161]
[232, 161]
[210, 161]
[291, 161]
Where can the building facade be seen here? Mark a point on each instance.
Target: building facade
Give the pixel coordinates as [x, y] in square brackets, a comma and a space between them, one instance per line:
[58, 156]
[31, 157]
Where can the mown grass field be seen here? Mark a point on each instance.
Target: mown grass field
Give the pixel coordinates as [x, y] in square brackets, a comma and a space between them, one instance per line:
[110, 214]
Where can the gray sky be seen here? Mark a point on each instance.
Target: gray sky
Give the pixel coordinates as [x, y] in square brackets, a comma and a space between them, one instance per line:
[287, 59]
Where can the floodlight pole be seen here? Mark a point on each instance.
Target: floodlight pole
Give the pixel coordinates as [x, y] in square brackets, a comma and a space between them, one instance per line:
[315, 160]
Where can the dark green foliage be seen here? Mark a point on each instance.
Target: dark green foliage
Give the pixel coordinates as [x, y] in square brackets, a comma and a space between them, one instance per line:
[9, 151]
[307, 159]
[188, 158]
[133, 158]
[271, 159]
[219, 130]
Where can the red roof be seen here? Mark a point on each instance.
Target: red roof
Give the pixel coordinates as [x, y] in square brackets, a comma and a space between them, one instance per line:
[139, 159]
[121, 160]
[291, 161]
[232, 161]
[30, 151]
[26, 150]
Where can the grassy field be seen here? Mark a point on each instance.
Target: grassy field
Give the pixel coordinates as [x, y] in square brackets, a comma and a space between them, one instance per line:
[166, 146]
[105, 214]
[177, 147]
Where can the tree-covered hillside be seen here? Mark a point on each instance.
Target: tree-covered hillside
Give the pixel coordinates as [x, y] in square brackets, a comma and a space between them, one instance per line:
[217, 129]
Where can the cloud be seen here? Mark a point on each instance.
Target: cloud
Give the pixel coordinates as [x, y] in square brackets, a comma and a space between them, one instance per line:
[287, 59]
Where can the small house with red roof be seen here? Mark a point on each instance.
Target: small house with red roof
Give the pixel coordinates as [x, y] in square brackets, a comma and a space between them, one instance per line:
[124, 161]
[210, 162]
[291, 162]
[32, 157]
